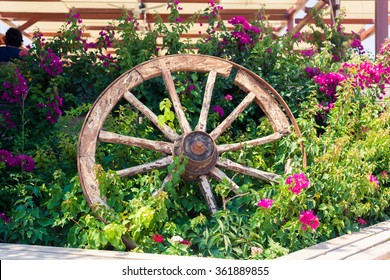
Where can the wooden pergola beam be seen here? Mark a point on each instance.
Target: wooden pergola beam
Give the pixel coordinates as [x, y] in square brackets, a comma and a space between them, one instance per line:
[345, 21]
[301, 4]
[28, 23]
[112, 14]
[364, 34]
[318, 6]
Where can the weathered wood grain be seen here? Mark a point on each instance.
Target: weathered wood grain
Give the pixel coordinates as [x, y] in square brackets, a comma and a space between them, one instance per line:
[159, 146]
[202, 123]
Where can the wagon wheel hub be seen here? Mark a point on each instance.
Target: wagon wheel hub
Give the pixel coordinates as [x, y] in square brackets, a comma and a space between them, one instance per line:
[198, 148]
[201, 151]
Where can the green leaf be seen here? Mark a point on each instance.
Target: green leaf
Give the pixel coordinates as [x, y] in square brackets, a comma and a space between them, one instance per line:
[227, 242]
[221, 226]
[194, 77]
[20, 215]
[113, 232]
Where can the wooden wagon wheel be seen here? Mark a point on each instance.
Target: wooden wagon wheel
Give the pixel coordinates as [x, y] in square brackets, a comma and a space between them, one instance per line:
[198, 145]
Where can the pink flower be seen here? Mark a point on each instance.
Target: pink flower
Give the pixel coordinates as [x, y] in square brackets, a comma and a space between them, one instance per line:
[158, 238]
[289, 180]
[190, 88]
[243, 38]
[357, 44]
[11, 161]
[218, 109]
[17, 90]
[328, 83]
[5, 120]
[297, 182]
[51, 63]
[265, 203]
[308, 220]
[228, 97]
[373, 179]
[308, 53]
[4, 218]
[240, 20]
[362, 222]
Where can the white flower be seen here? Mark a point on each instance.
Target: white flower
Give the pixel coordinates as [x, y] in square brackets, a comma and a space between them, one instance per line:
[176, 238]
[256, 250]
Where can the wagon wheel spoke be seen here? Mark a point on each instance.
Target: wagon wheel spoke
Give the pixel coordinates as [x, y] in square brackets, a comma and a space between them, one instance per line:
[157, 164]
[202, 123]
[231, 165]
[166, 130]
[167, 179]
[221, 176]
[205, 187]
[251, 143]
[232, 116]
[158, 146]
[183, 122]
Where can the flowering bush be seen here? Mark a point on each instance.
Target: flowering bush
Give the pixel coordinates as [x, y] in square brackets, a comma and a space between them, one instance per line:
[337, 94]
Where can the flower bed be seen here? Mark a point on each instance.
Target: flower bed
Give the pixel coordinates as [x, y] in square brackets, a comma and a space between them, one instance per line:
[333, 90]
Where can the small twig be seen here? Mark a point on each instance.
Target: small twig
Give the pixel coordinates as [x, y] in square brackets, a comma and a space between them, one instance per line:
[224, 201]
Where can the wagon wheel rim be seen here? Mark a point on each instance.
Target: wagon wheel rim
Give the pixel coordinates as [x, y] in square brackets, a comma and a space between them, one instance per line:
[198, 145]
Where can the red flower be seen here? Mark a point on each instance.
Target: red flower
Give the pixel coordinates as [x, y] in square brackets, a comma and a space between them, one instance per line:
[158, 238]
[186, 242]
[361, 221]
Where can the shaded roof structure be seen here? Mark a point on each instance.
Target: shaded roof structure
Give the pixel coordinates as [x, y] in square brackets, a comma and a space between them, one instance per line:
[359, 16]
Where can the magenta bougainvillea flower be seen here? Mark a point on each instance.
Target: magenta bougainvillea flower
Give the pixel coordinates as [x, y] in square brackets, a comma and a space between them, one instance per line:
[373, 179]
[25, 161]
[328, 83]
[228, 97]
[361, 221]
[219, 110]
[16, 91]
[6, 120]
[309, 220]
[4, 217]
[51, 63]
[297, 182]
[357, 45]
[265, 203]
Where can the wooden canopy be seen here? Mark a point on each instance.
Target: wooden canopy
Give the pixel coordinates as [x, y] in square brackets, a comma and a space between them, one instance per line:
[48, 15]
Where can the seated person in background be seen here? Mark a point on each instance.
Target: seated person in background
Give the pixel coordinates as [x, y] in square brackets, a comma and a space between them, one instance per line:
[13, 41]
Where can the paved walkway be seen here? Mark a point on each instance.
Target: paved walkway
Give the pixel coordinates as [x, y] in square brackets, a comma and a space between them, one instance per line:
[371, 243]
[34, 252]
